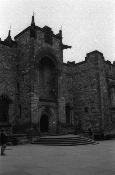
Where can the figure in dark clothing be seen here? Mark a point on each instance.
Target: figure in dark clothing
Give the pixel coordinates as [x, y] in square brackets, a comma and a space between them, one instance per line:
[3, 138]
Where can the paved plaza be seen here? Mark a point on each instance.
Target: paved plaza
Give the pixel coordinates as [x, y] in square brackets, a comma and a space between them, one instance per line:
[30, 159]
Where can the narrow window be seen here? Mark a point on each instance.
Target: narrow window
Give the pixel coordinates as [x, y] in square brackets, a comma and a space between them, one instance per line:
[86, 109]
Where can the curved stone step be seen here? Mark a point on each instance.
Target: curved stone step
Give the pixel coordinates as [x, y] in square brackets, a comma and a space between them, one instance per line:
[69, 140]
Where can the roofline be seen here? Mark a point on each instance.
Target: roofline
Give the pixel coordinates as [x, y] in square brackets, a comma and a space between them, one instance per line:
[37, 28]
[93, 52]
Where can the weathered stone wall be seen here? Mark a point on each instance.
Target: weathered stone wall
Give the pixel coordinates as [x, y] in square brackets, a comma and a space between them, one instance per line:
[54, 52]
[68, 88]
[23, 80]
[8, 78]
[110, 77]
[86, 84]
[86, 93]
[104, 94]
[31, 51]
[87, 88]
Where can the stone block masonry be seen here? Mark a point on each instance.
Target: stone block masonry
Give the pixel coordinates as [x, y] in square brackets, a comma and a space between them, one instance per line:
[39, 90]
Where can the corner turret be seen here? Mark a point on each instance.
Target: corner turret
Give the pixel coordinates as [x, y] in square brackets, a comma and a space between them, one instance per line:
[8, 41]
[33, 21]
[33, 28]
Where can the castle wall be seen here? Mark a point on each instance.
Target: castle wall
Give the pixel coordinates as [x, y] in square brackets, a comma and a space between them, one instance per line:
[87, 94]
[7, 78]
[34, 77]
[68, 90]
[23, 80]
[110, 74]
[104, 95]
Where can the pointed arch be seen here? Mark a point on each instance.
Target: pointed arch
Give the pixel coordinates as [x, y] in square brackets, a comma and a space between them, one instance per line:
[50, 53]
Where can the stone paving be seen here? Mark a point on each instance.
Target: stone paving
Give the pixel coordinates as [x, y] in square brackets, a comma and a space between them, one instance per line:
[59, 160]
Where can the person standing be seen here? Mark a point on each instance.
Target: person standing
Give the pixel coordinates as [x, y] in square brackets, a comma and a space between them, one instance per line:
[3, 138]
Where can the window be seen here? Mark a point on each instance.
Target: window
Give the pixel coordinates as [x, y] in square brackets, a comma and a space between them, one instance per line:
[86, 109]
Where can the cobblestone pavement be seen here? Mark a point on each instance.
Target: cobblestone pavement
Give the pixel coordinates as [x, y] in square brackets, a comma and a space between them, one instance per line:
[59, 160]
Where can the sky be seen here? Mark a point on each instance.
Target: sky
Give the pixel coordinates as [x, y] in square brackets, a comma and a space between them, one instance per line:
[87, 25]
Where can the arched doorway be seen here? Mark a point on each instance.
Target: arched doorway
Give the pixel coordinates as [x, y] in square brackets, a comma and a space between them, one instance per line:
[44, 123]
[4, 108]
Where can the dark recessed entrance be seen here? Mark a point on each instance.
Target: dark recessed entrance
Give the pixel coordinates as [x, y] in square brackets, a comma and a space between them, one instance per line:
[4, 107]
[44, 122]
[68, 116]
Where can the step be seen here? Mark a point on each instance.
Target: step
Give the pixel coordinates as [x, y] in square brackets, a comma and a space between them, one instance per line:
[64, 140]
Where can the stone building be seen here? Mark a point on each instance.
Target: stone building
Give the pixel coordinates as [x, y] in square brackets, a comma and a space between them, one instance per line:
[37, 89]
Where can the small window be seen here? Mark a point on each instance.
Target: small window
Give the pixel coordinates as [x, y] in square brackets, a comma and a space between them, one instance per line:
[18, 86]
[86, 109]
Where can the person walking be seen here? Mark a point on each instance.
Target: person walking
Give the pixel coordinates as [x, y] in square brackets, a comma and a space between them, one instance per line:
[3, 138]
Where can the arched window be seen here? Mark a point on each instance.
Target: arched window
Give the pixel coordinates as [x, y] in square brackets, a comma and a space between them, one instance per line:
[47, 79]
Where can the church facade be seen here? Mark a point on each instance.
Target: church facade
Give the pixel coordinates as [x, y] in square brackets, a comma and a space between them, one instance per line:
[37, 89]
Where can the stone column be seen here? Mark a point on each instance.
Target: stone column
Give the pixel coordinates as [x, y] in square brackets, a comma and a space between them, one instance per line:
[61, 101]
[34, 108]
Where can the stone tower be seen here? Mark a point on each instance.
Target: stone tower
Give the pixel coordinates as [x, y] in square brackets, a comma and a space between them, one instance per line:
[40, 77]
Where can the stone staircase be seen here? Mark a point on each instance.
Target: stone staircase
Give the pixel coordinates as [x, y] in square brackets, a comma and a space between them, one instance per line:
[63, 140]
